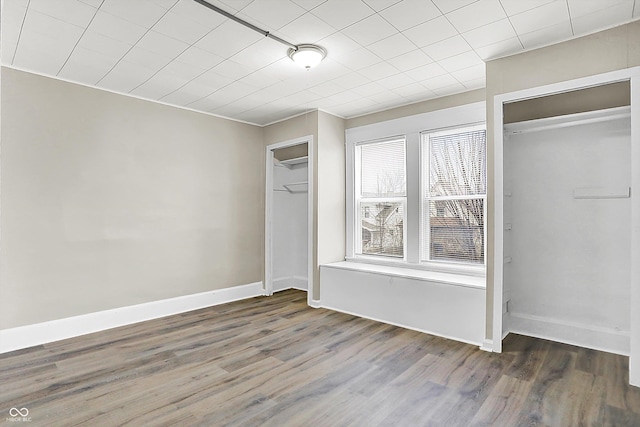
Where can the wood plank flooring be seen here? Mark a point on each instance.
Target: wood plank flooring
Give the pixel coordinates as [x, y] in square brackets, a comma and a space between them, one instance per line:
[276, 362]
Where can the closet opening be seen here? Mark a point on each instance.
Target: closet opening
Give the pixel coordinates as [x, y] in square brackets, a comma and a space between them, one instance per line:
[289, 217]
[566, 222]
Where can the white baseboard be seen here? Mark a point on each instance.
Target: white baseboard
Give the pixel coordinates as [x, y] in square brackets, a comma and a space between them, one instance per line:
[487, 345]
[588, 336]
[290, 282]
[315, 303]
[424, 331]
[55, 330]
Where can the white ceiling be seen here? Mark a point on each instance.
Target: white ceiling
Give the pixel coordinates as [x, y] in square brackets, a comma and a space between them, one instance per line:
[381, 53]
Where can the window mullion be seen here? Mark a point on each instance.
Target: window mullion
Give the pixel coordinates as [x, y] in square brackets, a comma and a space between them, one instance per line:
[413, 199]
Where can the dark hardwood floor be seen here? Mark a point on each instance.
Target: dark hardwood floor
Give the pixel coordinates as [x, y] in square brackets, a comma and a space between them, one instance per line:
[276, 362]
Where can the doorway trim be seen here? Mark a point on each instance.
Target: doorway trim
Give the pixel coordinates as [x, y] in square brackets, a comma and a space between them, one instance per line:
[629, 74]
[268, 223]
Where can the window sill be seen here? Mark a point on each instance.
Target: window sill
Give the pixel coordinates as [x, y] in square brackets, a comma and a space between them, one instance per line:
[456, 279]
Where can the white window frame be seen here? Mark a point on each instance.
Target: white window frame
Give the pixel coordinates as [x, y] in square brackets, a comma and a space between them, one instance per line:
[359, 199]
[425, 226]
[411, 128]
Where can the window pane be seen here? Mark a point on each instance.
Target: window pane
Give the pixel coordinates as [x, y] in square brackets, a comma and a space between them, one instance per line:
[382, 167]
[457, 164]
[456, 230]
[382, 232]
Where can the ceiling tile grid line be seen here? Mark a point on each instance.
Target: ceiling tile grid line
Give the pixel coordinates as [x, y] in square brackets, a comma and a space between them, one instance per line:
[381, 53]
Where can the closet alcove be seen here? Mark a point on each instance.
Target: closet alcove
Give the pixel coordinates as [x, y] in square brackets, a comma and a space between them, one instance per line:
[289, 218]
[567, 218]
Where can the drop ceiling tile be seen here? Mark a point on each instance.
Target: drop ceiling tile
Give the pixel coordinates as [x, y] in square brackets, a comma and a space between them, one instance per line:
[327, 70]
[326, 89]
[379, 71]
[188, 94]
[514, 7]
[379, 5]
[447, 6]
[158, 86]
[234, 4]
[349, 81]
[475, 84]
[396, 81]
[180, 28]
[409, 13]
[13, 14]
[547, 35]
[579, 8]
[271, 15]
[497, 50]
[475, 72]
[476, 15]
[309, 4]
[282, 69]
[426, 72]
[146, 58]
[206, 104]
[140, 12]
[182, 70]
[413, 91]
[450, 90]
[94, 3]
[597, 20]
[195, 12]
[306, 29]
[368, 89]
[161, 44]
[489, 34]
[439, 82]
[340, 14]
[345, 96]
[70, 11]
[410, 60]
[541, 17]
[259, 79]
[357, 59]
[338, 45]
[126, 76]
[459, 62]
[199, 58]
[7, 52]
[116, 28]
[261, 54]
[386, 98]
[233, 91]
[370, 30]
[431, 32]
[212, 79]
[228, 39]
[447, 48]
[232, 69]
[86, 66]
[392, 46]
[37, 59]
[104, 45]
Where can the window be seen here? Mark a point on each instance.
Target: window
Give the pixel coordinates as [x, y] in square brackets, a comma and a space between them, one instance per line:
[419, 199]
[381, 198]
[454, 187]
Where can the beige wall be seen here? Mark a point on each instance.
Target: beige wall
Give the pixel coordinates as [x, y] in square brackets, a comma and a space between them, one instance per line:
[109, 201]
[331, 191]
[418, 108]
[609, 50]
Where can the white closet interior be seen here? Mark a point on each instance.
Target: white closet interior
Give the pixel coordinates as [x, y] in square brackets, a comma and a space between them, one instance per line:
[289, 223]
[567, 222]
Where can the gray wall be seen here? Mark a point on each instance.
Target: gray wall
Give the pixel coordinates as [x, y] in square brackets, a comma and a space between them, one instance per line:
[109, 201]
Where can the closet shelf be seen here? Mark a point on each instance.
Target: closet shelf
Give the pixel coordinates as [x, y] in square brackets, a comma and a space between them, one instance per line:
[295, 161]
[296, 187]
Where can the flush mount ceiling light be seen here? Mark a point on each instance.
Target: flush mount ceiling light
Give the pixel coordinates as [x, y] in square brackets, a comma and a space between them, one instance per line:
[305, 55]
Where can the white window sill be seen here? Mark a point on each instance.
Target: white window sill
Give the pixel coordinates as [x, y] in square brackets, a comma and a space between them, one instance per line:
[478, 282]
